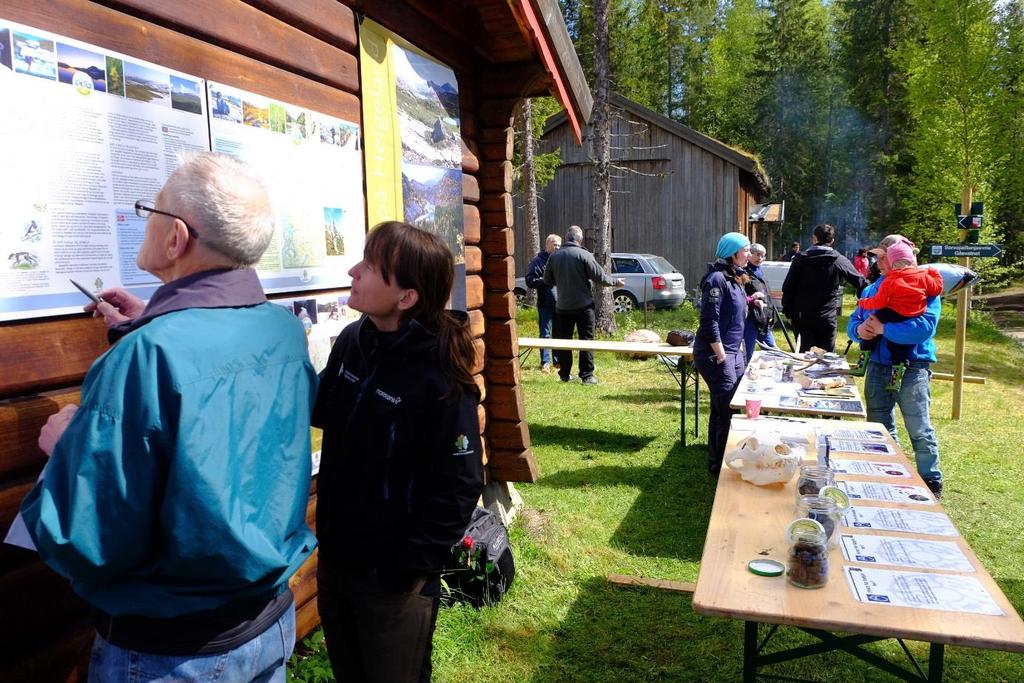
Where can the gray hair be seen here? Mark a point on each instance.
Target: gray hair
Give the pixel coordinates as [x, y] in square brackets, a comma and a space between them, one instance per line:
[574, 234]
[225, 203]
[756, 248]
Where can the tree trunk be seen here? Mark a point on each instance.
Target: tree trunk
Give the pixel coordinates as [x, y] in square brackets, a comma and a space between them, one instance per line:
[602, 156]
[529, 176]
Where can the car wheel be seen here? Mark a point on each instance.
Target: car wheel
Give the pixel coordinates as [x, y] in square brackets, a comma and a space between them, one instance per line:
[520, 297]
[624, 302]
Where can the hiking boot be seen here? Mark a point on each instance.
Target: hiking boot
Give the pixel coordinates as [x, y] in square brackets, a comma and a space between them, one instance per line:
[546, 368]
[896, 377]
[935, 486]
[590, 380]
[566, 378]
[861, 367]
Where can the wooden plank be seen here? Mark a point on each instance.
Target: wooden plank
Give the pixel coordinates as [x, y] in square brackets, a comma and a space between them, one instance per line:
[60, 655]
[307, 618]
[506, 435]
[470, 188]
[20, 422]
[474, 259]
[513, 80]
[497, 134]
[247, 30]
[33, 599]
[44, 355]
[496, 178]
[513, 466]
[303, 581]
[496, 202]
[496, 112]
[505, 403]
[501, 339]
[470, 224]
[481, 416]
[497, 242]
[470, 156]
[626, 581]
[105, 27]
[481, 385]
[505, 371]
[467, 124]
[499, 273]
[970, 379]
[474, 292]
[328, 20]
[496, 219]
[497, 151]
[12, 492]
[477, 323]
[479, 361]
[500, 305]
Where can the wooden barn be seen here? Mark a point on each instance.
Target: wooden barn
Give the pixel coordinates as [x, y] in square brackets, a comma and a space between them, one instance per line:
[307, 53]
[675, 191]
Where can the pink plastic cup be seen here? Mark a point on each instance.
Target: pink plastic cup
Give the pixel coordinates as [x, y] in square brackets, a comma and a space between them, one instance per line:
[753, 408]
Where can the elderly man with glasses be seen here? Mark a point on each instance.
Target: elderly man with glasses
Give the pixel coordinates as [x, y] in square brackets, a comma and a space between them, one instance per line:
[761, 311]
[175, 496]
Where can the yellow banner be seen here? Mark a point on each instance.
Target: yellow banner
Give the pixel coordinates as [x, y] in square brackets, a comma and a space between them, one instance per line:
[383, 147]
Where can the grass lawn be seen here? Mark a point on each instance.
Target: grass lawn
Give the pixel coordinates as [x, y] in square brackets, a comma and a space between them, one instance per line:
[617, 493]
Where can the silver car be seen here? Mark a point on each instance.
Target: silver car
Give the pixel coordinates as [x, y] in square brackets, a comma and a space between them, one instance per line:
[650, 281]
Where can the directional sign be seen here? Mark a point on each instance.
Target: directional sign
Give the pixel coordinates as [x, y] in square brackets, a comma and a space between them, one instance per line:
[968, 222]
[966, 250]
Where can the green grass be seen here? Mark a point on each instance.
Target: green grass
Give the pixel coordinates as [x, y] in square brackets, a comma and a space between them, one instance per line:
[618, 494]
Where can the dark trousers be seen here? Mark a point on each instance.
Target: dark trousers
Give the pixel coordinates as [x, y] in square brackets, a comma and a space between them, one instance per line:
[897, 352]
[585, 323]
[722, 380]
[815, 331]
[377, 631]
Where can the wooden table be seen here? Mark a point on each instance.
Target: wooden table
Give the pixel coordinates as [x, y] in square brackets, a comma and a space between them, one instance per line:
[748, 522]
[774, 393]
[687, 373]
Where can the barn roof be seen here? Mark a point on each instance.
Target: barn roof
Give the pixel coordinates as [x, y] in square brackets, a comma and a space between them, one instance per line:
[745, 161]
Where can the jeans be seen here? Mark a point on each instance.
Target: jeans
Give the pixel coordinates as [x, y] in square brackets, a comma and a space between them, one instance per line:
[913, 398]
[261, 660]
[585, 323]
[750, 335]
[546, 318]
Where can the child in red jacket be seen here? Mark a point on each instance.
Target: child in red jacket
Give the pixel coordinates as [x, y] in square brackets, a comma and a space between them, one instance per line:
[902, 295]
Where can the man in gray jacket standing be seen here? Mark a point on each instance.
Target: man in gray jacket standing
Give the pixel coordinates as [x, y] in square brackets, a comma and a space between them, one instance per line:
[572, 268]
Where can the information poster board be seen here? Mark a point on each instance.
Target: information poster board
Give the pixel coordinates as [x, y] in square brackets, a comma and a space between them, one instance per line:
[87, 132]
[413, 141]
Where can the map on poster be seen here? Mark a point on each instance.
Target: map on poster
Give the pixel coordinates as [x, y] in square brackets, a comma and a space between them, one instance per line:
[312, 166]
[85, 132]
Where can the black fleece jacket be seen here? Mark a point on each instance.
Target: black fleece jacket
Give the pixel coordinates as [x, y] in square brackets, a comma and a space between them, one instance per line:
[401, 467]
[813, 286]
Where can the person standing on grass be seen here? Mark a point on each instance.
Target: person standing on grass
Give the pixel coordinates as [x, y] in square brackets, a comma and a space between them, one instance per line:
[914, 393]
[402, 465]
[572, 269]
[717, 349]
[175, 496]
[545, 295]
[761, 313]
[794, 249]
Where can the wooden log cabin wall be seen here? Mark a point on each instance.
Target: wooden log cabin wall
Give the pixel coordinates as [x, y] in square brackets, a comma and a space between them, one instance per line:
[304, 52]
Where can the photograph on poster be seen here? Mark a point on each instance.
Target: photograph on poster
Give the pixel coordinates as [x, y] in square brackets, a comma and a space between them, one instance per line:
[5, 49]
[295, 122]
[224, 106]
[432, 200]
[255, 113]
[305, 309]
[186, 95]
[278, 118]
[34, 56]
[31, 232]
[327, 310]
[427, 95]
[82, 68]
[147, 85]
[332, 231]
[23, 260]
[115, 76]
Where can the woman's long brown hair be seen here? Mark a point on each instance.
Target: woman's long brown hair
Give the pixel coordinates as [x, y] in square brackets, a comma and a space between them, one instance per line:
[412, 258]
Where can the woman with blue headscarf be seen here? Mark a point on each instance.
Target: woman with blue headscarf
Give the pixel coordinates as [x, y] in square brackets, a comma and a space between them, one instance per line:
[717, 350]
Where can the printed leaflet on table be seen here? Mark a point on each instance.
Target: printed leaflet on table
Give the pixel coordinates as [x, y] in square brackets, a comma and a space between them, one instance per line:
[913, 521]
[947, 592]
[866, 467]
[894, 493]
[905, 552]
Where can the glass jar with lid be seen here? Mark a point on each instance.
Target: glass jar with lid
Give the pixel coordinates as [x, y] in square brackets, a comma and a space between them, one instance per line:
[808, 559]
[822, 510]
[812, 479]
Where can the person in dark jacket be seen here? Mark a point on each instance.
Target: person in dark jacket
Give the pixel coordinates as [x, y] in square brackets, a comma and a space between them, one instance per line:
[545, 294]
[813, 290]
[794, 249]
[401, 470]
[761, 313]
[572, 268]
[717, 350]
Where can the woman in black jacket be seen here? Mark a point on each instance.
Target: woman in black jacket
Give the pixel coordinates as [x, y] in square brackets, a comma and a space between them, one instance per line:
[401, 467]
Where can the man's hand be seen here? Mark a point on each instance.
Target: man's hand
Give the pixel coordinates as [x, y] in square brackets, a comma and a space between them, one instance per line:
[51, 432]
[870, 328]
[117, 306]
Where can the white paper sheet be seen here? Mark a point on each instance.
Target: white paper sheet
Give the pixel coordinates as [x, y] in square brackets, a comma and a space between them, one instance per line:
[904, 552]
[914, 521]
[869, 468]
[895, 493]
[946, 592]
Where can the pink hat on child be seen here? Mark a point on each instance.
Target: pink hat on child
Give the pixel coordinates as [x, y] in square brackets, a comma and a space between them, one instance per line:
[901, 251]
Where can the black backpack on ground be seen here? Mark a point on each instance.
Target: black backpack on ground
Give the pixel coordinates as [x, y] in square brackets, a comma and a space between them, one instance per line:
[481, 574]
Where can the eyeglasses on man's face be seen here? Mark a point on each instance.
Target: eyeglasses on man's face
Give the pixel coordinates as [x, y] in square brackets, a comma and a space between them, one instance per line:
[144, 208]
